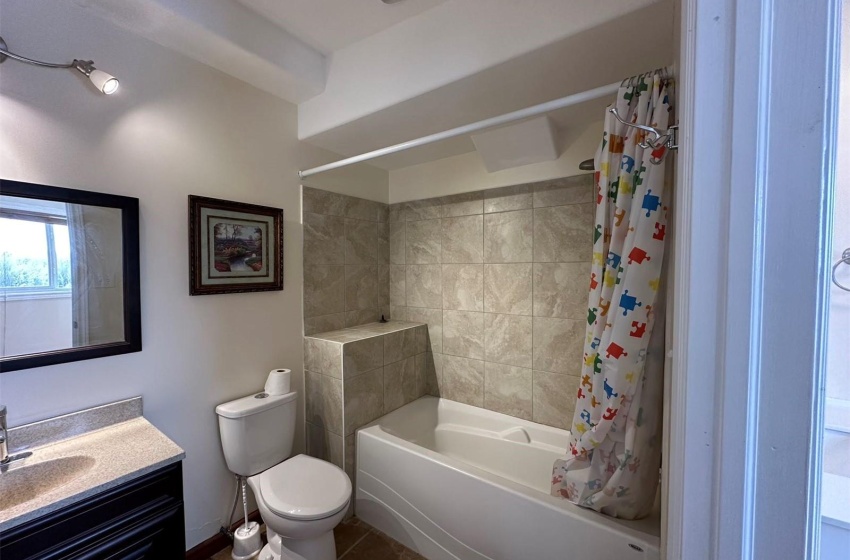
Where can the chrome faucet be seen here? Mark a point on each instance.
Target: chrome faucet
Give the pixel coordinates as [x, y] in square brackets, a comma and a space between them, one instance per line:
[4, 436]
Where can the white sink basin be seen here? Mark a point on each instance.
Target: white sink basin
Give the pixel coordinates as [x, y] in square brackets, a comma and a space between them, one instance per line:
[29, 481]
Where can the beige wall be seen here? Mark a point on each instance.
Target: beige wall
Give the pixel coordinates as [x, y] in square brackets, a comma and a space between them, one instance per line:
[500, 276]
[175, 128]
[466, 173]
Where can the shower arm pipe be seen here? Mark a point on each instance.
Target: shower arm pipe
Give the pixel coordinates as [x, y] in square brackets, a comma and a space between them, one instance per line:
[532, 111]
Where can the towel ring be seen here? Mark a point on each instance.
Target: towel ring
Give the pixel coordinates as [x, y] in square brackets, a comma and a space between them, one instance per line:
[845, 259]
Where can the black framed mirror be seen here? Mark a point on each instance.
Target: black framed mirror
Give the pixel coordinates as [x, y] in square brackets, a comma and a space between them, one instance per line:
[69, 275]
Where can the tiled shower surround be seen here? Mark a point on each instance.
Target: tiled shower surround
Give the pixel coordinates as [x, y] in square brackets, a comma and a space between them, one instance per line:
[346, 261]
[499, 276]
[353, 376]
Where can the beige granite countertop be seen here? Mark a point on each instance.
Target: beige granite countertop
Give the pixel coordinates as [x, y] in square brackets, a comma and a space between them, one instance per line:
[94, 462]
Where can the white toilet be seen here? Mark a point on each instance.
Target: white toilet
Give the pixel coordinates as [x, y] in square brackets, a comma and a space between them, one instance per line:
[301, 499]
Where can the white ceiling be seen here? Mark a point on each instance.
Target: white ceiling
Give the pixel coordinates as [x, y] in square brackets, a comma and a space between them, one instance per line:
[329, 25]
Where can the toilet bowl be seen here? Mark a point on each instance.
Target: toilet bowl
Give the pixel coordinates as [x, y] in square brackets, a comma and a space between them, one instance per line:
[301, 501]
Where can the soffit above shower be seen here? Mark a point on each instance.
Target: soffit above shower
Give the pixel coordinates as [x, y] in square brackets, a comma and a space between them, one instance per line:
[609, 52]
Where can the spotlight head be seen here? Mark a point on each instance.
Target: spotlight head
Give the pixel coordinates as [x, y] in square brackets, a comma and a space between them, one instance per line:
[105, 83]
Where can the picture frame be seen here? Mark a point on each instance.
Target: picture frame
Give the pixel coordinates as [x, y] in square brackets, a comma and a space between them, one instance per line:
[234, 247]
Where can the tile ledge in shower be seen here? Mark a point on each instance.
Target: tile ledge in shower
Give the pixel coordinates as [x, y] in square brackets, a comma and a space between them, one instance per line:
[369, 330]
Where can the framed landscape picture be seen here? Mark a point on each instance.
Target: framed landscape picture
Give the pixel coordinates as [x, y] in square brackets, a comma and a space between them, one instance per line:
[234, 247]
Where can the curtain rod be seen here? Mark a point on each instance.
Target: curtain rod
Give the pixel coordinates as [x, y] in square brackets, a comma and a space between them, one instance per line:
[532, 111]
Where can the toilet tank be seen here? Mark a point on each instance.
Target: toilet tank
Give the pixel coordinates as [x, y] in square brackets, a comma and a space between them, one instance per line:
[257, 431]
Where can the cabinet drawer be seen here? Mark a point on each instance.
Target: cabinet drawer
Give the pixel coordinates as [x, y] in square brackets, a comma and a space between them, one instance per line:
[142, 518]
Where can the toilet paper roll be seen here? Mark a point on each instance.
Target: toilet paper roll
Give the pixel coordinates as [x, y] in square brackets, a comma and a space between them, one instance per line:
[278, 382]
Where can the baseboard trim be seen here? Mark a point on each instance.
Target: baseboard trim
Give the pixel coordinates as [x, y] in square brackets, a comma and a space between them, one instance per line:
[219, 541]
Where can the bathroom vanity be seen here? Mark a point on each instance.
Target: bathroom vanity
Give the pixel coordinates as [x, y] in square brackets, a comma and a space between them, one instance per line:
[100, 483]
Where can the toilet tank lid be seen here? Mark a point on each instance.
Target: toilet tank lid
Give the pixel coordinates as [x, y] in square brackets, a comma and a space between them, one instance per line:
[252, 404]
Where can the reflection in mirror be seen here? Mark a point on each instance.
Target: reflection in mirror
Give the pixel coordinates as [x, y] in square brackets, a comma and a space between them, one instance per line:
[61, 282]
[69, 275]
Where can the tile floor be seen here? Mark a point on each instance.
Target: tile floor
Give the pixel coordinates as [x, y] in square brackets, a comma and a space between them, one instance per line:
[355, 540]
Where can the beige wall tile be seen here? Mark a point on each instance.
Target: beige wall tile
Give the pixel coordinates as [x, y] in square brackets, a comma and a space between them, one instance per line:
[324, 401]
[397, 242]
[421, 362]
[323, 239]
[424, 286]
[463, 380]
[507, 389]
[427, 209]
[361, 242]
[463, 334]
[364, 399]
[421, 338]
[351, 457]
[561, 289]
[504, 199]
[507, 339]
[383, 213]
[324, 323]
[361, 289]
[362, 209]
[554, 398]
[325, 445]
[316, 201]
[463, 239]
[548, 224]
[398, 273]
[323, 356]
[463, 287]
[362, 356]
[423, 242]
[400, 384]
[434, 319]
[507, 288]
[563, 233]
[383, 243]
[433, 373]
[397, 212]
[569, 190]
[508, 237]
[324, 290]
[398, 312]
[383, 285]
[361, 316]
[558, 345]
[463, 204]
[399, 345]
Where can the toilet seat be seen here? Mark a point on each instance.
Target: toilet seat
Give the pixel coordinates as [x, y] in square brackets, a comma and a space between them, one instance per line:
[304, 488]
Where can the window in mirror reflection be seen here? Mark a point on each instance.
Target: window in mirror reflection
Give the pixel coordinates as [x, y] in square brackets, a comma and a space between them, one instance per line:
[60, 276]
[40, 256]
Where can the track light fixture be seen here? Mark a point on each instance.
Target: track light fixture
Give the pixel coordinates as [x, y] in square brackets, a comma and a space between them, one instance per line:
[105, 83]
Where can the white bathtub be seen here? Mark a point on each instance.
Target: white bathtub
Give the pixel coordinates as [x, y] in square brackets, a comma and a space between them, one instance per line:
[453, 481]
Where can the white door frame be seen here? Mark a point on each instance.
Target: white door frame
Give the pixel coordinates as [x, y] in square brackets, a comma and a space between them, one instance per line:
[757, 108]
